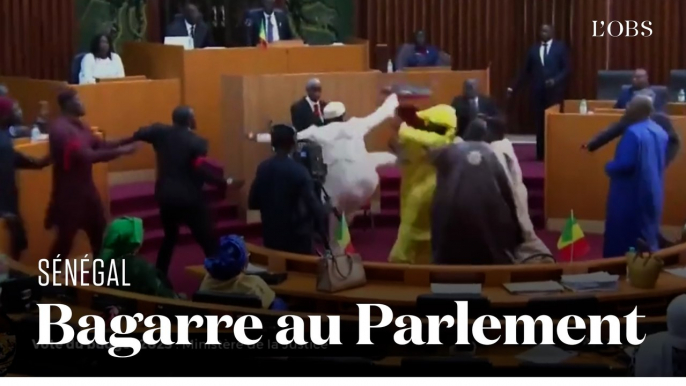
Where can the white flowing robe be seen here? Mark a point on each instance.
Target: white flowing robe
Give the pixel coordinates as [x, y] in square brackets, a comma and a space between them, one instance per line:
[352, 178]
[532, 244]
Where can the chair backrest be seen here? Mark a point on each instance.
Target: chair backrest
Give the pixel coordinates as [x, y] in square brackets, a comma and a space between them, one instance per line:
[76, 68]
[677, 82]
[404, 52]
[661, 93]
[227, 299]
[610, 83]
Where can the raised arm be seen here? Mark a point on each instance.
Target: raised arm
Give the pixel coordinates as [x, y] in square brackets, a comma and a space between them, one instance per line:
[22, 161]
[607, 135]
[674, 143]
[384, 112]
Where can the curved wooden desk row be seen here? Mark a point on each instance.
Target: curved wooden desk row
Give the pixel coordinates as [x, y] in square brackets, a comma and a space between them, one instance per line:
[85, 298]
[399, 285]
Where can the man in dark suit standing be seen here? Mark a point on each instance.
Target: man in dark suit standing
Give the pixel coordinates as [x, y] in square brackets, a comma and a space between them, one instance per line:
[308, 111]
[284, 193]
[182, 170]
[273, 21]
[472, 105]
[547, 65]
[190, 23]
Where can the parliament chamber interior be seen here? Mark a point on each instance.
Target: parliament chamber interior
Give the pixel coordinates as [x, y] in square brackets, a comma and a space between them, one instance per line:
[568, 200]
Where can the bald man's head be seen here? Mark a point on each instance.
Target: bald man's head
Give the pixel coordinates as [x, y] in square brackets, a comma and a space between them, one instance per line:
[470, 88]
[640, 107]
[314, 89]
[640, 79]
[183, 116]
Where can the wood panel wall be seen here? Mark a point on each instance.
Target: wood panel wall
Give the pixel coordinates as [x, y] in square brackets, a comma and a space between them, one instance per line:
[498, 32]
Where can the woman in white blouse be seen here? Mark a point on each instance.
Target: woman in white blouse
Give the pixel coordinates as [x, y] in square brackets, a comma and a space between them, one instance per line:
[101, 62]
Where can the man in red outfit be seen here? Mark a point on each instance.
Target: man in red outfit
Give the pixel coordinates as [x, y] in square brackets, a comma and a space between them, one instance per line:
[75, 203]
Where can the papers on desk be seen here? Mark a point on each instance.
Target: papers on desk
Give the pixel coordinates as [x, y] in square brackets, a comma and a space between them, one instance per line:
[681, 271]
[545, 354]
[534, 287]
[591, 282]
[456, 289]
[254, 269]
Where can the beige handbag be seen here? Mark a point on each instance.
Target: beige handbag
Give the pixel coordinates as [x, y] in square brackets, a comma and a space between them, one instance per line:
[338, 273]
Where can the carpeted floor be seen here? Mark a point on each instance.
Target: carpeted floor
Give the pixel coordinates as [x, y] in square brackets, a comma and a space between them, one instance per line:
[373, 243]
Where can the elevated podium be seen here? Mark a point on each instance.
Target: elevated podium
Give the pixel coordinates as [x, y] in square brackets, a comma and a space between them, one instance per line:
[200, 71]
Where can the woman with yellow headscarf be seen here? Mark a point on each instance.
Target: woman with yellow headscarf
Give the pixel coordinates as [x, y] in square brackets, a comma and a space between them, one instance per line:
[419, 131]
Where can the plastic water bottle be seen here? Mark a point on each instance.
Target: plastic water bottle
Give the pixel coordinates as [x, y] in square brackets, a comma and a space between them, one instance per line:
[389, 68]
[35, 134]
[682, 96]
[583, 107]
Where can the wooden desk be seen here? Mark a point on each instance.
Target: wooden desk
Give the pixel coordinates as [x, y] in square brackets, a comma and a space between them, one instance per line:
[572, 106]
[121, 108]
[303, 287]
[200, 71]
[575, 179]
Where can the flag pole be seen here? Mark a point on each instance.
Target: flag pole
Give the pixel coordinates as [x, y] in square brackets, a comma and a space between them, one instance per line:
[571, 259]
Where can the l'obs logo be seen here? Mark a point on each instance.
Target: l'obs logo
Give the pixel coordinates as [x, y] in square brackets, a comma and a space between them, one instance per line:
[626, 28]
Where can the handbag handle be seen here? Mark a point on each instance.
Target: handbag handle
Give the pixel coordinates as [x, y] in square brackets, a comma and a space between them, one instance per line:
[335, 264]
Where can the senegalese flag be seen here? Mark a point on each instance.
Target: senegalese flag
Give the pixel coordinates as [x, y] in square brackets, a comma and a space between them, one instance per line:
[572, 242]
[343, 236]
[263, 35]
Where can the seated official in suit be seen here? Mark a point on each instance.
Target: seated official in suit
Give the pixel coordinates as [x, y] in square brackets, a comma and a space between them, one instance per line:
[639, 82]
[308, 111]
[101, 62]
[266, 25]
[417, 54]
[190, 23]
[471, 105]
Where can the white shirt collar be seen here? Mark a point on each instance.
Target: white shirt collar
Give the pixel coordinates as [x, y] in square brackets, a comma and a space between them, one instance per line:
[311, 102]
[188, 26]
[269, 17]
[549, 43]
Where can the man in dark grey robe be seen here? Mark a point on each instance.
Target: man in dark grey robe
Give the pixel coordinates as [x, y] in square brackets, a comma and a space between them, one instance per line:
[474, 218]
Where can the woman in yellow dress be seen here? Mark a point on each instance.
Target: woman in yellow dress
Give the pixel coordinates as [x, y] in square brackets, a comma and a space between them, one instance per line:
[430, 128]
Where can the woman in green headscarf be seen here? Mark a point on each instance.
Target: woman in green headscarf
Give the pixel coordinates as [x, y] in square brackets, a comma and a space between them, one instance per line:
[123, 239]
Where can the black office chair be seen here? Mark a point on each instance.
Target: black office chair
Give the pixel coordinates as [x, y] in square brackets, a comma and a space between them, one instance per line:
[227, 299]
[677, 82]
[661, 94]
[76, 68]
[610, 83]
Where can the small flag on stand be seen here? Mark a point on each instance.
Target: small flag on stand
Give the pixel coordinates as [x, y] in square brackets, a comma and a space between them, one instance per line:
[263, 36]
[343, 236]
[572, 243]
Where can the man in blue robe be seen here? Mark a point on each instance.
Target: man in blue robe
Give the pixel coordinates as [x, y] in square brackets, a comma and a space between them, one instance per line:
[636, 195]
